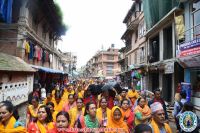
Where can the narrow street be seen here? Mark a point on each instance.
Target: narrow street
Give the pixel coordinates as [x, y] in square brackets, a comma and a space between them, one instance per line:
[86, 66]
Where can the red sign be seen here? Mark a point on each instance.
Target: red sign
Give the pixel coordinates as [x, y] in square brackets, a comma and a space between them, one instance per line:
[188, 52]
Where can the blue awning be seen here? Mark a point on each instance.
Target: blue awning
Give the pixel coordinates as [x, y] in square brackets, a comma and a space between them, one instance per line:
[48, 70]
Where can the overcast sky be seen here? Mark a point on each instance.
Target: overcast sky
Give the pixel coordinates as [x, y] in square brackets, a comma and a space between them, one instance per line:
[93, 23]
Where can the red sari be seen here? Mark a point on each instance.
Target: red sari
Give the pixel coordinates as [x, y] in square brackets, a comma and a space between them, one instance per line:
[129, 117]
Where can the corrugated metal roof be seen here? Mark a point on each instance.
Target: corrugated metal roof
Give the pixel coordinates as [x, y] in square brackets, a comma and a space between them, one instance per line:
[12, 63]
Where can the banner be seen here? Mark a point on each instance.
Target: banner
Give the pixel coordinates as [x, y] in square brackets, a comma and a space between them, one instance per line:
[189, 48]
[187, 88]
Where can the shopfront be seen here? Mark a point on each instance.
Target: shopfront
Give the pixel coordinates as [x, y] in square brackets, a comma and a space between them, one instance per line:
[189, 57]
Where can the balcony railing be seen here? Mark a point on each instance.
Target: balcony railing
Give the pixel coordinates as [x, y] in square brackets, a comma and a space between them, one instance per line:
[134, 21]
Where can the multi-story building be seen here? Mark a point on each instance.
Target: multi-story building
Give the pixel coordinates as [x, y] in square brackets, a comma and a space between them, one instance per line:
[188, 48]
[104, 64]
[154, 31]
[30, 30]
[135, 49]
[69, 62]
[163, 70]
[36, 26]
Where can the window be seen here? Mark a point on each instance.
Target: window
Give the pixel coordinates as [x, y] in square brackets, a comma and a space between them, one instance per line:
[196, 17]
[129, 60]
[142, 54]
[135, 57]
[195, 82]
[110, 57]
[110, 66]
[109, 72]
[141, 29]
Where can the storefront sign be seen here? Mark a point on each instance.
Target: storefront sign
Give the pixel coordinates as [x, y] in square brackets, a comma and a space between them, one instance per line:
[169, 68]
[189, 48]
[191, 44]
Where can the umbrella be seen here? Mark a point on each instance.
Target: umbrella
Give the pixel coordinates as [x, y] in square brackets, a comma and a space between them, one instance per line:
[110, 86]
[95, 89]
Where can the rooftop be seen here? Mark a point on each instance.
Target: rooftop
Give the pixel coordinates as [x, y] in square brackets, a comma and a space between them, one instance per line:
[12, 63]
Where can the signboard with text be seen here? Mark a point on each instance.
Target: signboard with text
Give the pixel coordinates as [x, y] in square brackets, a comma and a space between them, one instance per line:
[189, 48]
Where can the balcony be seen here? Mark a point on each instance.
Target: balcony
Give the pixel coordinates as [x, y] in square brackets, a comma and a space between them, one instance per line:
[133, 23]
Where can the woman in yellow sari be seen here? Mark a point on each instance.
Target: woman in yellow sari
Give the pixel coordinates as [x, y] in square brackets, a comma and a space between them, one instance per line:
[76, 112]
[48, 99]
[103, 112]
[67, 90]
[116, 121]
[32, 110]
[58, 103]
[142, 112]
[8, 121]
[44, 121]
[133, 94]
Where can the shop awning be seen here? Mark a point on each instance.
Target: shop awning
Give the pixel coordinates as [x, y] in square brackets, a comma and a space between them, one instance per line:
[48, 70]
[189, 61]
[13, 63]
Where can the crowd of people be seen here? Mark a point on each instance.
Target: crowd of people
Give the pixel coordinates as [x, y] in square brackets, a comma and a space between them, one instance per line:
[83, 106]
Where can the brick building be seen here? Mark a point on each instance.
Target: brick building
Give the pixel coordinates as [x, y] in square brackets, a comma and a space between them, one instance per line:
[103, 64]
[30, 30]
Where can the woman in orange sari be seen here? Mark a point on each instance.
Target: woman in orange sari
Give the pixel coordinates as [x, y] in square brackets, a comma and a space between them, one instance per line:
[8, 121]
[116, 121]
[129, 116]
[103, 112]
[142, 112]
[44, 121]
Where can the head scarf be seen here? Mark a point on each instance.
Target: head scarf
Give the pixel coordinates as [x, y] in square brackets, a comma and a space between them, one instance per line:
[117, 124]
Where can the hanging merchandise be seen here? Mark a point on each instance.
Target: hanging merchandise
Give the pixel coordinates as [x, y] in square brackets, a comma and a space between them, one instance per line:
[138, 86]
[138, 75]
[133, 74]
[43, 55]
[36, 51]
[47, 56]
[30, 56]
[50, 58]
[27, 47]
[39, 54]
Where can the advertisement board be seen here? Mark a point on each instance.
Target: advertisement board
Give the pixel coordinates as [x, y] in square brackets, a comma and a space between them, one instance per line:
[187, 88]
[189, 48]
